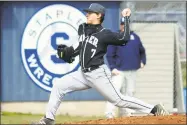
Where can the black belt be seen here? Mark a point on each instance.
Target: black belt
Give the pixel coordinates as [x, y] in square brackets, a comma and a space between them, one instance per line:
[89, 69]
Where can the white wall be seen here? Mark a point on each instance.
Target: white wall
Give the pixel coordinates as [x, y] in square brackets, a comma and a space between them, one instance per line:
[155, 81]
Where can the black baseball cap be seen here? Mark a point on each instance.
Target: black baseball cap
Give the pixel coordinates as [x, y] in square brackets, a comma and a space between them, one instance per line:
[96, 8]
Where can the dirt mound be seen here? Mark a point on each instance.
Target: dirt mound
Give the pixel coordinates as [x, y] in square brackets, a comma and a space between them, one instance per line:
[172, 119]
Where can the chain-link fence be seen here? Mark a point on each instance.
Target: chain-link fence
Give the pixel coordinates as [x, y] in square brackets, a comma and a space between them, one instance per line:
[161, 11]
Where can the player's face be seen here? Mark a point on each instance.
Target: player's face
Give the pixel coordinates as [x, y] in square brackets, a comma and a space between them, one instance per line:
[92, 18]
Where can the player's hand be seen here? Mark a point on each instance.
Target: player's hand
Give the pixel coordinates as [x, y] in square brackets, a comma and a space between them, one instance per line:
[126, 12]
[142, 65]
[115, 72]
[65, 53]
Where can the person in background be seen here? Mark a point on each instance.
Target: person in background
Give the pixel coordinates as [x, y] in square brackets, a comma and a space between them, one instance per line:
[124, 61]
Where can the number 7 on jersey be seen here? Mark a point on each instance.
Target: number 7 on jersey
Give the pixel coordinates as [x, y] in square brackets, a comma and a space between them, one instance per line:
[93, 52]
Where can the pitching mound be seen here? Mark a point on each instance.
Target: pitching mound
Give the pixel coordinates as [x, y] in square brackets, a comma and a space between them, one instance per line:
[172, 119]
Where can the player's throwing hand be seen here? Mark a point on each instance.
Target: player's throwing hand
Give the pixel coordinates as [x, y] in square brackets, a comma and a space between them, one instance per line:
[126, 12]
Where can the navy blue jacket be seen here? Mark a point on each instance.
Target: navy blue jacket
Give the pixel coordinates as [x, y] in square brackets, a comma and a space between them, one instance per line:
[126, 57]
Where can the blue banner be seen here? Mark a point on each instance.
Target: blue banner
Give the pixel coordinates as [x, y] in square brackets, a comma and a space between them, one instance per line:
[30, 33]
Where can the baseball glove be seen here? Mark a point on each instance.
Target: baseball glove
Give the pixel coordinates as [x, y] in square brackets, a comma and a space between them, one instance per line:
[65, 53]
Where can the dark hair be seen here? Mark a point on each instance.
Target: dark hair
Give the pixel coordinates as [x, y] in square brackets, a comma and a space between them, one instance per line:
[102, 18]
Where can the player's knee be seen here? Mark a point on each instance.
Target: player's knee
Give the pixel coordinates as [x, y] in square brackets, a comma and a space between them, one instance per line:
[130, 93]
[121, 103]
[56, 83]
[59, 86]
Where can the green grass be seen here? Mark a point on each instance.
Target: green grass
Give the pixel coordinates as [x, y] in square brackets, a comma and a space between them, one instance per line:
[183, 65]
[19, 118]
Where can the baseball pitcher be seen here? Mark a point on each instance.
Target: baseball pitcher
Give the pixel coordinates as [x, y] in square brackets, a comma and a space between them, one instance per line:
[93, 42]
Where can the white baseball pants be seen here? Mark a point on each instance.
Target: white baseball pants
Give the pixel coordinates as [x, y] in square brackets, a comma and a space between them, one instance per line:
[99, 79]
[124, 81]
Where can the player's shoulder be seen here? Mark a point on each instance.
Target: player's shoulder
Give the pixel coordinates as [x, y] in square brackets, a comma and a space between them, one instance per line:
[106, 30]
[81, 28]
[109, 32]
[82, 25]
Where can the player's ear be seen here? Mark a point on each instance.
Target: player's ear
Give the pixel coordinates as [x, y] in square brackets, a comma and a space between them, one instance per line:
[99, 15]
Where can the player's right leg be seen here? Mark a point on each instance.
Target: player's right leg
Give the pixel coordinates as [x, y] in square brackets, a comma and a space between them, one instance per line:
[72, 82]
[117, 81]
